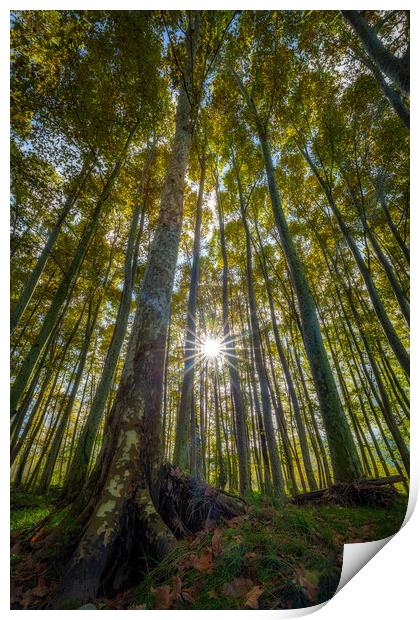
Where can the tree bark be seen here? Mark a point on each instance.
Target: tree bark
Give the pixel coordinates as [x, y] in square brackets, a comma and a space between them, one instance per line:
[130, 464]
[230, 352]
[182, 443]
[396, 69]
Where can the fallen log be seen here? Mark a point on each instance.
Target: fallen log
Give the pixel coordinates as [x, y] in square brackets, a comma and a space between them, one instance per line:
[364, 492]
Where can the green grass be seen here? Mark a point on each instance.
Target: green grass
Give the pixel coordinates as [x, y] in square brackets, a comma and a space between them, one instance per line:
[28, 509]
[277, 549]
[293, 553]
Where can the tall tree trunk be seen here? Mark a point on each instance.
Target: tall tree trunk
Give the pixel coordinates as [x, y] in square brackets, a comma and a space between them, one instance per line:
[230, 351]
[130, 463]
[276, 472]
[286, 371]
[221, 478]
[182, 443]
[345, 462]
[396, 69]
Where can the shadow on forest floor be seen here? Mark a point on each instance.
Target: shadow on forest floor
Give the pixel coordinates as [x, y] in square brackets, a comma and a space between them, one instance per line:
[269, 558]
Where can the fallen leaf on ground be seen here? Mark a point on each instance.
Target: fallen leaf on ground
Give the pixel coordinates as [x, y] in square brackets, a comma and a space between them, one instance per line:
[176, 586]
[40, 591]
[203, 562]
[216, 541]
[163, 596]
[252, 597]
[306, 580]
[237, 587]
[187, 595]
[235, 521]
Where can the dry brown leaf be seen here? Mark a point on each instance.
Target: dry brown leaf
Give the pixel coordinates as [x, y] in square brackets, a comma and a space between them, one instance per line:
[235, 521]
[176, 586]
[163, 597]
[251, 555]
[187, 595]
[238, 587]
[216, 541]
[252, 597]
[304, 580]
[41, 590]
[203, 562]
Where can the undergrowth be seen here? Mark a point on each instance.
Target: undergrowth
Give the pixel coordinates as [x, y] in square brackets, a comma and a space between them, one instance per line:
[272, 557]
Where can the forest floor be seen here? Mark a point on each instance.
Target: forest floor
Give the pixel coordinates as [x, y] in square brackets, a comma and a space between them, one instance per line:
[272, 557]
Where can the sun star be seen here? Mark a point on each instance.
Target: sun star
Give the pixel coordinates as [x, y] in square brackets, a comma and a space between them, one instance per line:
[211, 347]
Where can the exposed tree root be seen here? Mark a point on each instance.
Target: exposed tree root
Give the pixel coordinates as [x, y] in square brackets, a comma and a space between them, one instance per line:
[188, 505]
[371, 493]
[106, 556]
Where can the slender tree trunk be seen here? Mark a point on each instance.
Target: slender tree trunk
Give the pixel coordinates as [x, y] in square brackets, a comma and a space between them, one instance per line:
[65, 415]
[299, 422]
[276, 472]
[400, 241]
[182, 443]
[396, 69]
[221, 478]
[32, 281]
[345, 462]
[230, 352]
[392, 336]
[69, 277]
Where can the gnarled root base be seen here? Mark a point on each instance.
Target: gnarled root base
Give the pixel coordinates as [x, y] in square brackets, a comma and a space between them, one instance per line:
[188, 505]
[112, 558]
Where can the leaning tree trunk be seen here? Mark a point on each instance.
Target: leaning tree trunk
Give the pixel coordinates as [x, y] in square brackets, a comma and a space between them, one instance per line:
[344, 458]
[395, 342]
[54, 449]
[396, 69]
[125, 500]
[68, 279]
[32, 281]
[185, 412]
[79, 465]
